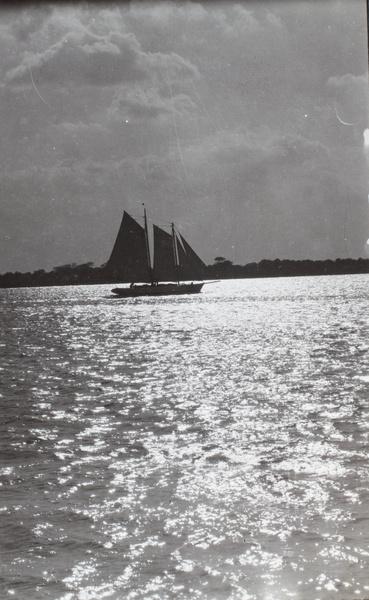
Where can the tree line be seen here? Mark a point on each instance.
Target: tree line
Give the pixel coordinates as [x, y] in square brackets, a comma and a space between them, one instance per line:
[225, 269]
[88, 274]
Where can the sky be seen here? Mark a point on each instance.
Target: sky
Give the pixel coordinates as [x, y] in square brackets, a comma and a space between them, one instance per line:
[243, 122]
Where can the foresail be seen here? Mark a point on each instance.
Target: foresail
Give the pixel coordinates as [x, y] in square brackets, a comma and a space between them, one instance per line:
[174, 259]
[190, 265]
[164, 265]
[128, 261]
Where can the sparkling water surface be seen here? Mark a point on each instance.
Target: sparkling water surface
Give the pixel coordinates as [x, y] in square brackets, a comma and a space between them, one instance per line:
[211, 446]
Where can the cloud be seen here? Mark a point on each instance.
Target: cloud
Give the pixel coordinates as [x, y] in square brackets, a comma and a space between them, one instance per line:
[245, 119]
[244, 151]
[138, 103]
[30, 23]
[85, 58]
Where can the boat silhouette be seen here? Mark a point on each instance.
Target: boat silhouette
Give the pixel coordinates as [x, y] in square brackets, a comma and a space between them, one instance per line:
[176, 269]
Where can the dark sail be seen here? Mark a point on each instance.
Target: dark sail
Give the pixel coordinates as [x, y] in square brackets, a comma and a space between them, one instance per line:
[128, 260]
[164, 265]
[190, 265]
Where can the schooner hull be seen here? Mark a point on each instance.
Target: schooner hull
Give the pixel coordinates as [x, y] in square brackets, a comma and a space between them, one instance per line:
[176, 266]
[160, 289]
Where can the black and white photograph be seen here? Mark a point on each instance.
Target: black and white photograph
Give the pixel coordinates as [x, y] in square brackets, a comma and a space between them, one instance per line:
[184, 286]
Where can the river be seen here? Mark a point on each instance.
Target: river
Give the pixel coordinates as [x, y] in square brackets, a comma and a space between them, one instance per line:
[204, 447]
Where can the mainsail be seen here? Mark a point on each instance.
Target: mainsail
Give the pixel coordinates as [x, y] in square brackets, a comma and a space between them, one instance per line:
[164, 257]
[174, 259]
[128, 260]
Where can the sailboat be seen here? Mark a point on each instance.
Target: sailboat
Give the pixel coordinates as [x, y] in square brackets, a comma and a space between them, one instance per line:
[177, 269]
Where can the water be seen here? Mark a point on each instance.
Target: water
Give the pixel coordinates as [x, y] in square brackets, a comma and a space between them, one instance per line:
[212, 447]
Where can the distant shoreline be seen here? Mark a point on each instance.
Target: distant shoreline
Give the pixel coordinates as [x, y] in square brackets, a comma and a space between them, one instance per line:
[87, 274]
[225, 269]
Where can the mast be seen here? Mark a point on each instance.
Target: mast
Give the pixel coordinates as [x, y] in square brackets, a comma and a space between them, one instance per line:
[175, 254]
[147, 247]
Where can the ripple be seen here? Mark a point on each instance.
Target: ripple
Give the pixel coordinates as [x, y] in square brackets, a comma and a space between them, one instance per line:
[189, 448]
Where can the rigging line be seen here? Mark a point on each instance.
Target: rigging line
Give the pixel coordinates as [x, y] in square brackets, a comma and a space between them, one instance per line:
[176, 132]
[152, 218]
[163, 223]
[182, 222]
[35, 88]
[204, 109]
